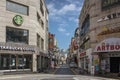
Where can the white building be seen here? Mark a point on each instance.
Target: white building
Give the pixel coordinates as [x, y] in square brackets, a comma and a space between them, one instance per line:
[23, 34]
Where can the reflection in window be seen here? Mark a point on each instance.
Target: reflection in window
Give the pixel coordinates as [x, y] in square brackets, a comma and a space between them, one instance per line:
[38, 40]
[5, 62]
[20, 62]
[85, 26]
[42, 44]
[17, 35]
[15, 7]
[13, 62]
[27, 61]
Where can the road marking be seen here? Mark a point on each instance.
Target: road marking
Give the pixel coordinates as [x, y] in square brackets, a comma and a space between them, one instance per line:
[75, 78]
[11, 77]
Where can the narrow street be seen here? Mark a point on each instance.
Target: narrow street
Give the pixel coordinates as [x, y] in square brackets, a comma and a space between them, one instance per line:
[65, 70]
[62, 73]
[50, 77]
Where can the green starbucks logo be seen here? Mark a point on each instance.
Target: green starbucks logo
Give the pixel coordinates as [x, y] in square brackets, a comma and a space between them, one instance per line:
[18, 20]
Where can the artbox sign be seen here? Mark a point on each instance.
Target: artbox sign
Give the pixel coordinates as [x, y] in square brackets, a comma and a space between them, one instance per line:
[108, 45]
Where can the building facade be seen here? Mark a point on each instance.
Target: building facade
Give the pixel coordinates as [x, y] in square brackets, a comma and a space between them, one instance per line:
[53, 50]
[100, 36]
[23, 30]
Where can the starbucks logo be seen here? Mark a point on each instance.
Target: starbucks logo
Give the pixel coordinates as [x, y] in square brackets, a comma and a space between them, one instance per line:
[18, 20]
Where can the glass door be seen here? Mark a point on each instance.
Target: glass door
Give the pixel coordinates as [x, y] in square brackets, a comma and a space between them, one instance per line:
[13, 61]
[5, 62]
[20, 62]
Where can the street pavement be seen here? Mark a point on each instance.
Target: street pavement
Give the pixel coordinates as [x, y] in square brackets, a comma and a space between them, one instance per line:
[51, 77]
[64, 70]
[62, 73]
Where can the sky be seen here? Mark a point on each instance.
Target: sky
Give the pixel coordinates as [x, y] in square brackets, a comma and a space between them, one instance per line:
[63, 19]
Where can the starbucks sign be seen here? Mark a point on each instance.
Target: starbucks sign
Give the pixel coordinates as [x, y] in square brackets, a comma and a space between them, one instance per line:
[18, 20]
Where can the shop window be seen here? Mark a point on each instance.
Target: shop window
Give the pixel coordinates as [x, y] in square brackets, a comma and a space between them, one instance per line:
[27, 60]
[16, 7]
[20, 62]
[5, 62]
[17, 35]
[13, 61]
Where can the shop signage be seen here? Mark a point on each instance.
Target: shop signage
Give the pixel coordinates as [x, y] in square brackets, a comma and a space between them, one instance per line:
[106, 30]
[18, 20]
[82, 54]
[16, 48]
[108, 45]
[108, 17]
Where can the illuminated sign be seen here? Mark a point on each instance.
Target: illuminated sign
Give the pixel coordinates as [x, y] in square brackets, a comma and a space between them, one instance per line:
[109, 3]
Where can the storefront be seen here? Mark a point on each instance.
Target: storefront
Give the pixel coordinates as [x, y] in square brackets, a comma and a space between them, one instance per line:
[84, 61]
[15, 57]
[15, 62]
[108, 52]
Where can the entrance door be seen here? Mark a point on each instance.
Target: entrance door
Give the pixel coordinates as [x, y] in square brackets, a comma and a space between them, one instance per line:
[114, 64]
[38, 62]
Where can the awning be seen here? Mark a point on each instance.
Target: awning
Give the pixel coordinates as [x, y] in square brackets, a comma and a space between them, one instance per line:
[108, 45]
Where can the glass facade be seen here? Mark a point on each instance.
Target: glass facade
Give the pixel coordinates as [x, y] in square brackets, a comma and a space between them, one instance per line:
[15, 7]
[85, 26]
[5, 61]
[12, 61]
[9, 62]
[17, 35]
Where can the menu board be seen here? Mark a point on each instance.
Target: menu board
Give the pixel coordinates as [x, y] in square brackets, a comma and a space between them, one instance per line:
[109, 3]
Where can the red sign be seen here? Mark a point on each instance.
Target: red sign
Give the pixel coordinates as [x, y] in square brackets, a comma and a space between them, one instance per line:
[108, 45]
[82, 54]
